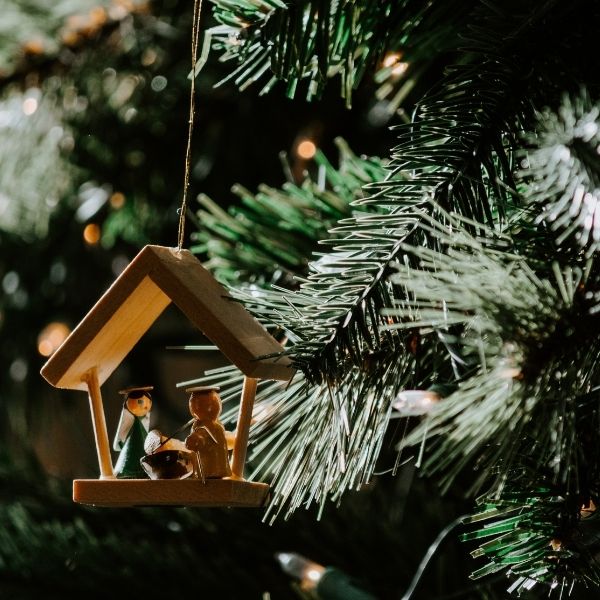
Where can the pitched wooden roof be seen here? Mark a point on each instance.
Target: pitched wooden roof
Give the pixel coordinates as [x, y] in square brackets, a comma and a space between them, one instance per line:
[155, 278]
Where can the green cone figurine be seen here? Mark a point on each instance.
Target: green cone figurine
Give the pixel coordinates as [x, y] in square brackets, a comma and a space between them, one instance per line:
[133, 428]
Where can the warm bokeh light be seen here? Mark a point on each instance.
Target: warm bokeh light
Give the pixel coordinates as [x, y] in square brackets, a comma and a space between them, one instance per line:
[117, 200]
[400, 68]
[34, 47]
[410, 403]
[30, 105]
[306, 149]
[149, 57]
[391, 58]
[51, 337]
[392, 61]
[91, 234]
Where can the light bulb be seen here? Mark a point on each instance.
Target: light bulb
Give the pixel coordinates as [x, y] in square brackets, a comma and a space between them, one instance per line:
[306, 149]
[391, 58]
[413, 403]
[309, 573]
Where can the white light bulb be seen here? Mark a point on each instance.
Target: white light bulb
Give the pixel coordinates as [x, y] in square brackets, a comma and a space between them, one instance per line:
[414, 403]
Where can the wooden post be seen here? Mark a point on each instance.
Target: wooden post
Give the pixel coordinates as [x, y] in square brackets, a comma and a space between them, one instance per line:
[99, 423]
[243, 427]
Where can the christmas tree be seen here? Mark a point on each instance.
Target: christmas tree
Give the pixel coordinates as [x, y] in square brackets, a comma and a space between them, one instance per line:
[421, 238]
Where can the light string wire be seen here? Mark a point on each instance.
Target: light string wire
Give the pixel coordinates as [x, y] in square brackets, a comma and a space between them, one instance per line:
[188, 152]
[429, 554]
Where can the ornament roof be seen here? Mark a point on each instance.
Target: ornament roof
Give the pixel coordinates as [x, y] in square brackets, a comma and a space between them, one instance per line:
[136, 388]
[156, 277]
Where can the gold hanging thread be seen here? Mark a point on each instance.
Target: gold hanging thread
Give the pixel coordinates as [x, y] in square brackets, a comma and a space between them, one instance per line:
[188, 152]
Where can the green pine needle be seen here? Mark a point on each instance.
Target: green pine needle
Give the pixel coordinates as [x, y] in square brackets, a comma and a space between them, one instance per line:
[563, 171]
[271, 235]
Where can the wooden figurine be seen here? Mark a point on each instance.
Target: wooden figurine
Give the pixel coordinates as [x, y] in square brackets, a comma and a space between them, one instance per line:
[166, 457]
[132, 430]
[208, 438]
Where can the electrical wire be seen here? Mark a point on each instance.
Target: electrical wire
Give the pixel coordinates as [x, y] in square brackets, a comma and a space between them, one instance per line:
[429, 554]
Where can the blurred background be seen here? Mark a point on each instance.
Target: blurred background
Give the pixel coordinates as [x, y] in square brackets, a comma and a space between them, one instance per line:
[94, 100]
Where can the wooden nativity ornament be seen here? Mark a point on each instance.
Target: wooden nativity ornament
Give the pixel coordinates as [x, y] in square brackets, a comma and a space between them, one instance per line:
[156, 277]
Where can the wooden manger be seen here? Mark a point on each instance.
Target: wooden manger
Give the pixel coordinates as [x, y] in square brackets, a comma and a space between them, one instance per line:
[156, 277]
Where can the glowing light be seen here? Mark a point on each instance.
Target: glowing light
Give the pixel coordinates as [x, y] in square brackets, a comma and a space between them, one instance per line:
[149, 57]
[117, 200]
[400, 69]
[413, 403]
[306, 149]
[30, 105]
[11, 282]
[588, 510]
[91, 234]
[392, 61]
[51, 337]
[158, 83]
[18, 370]
[556, 544]
[511, 373]
[313, 574]
[33, 47]
[308, 572]
[391, 58]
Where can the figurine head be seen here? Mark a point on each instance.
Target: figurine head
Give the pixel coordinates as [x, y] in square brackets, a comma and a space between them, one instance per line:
[205, 403]
[138, 400]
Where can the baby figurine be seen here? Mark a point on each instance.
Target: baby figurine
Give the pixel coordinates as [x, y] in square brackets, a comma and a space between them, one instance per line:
[166, 457]
[208, 438]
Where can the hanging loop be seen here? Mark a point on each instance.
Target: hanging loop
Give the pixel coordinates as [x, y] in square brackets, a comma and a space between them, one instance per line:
[188, 152]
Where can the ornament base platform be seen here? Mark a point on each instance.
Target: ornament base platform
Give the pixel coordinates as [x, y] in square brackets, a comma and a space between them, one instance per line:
[170, 492]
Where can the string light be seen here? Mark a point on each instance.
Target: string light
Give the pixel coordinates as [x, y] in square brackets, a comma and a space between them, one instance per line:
[413, 403]
[117, 200]
[91, 234]
[318, 581]
[400, 69]
[149, 57]
[306, 571]
[30, 105]
[392, 61]
[588, 510]
[306, 149]
[51, 337]
[391, 58]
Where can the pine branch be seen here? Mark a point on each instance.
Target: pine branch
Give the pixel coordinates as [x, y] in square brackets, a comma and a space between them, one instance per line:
[312, 41]
[563, 174]
[540, 531]
[271, 234]
[458, 151]
[313, 443]
[303, 40]
[530, 344]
